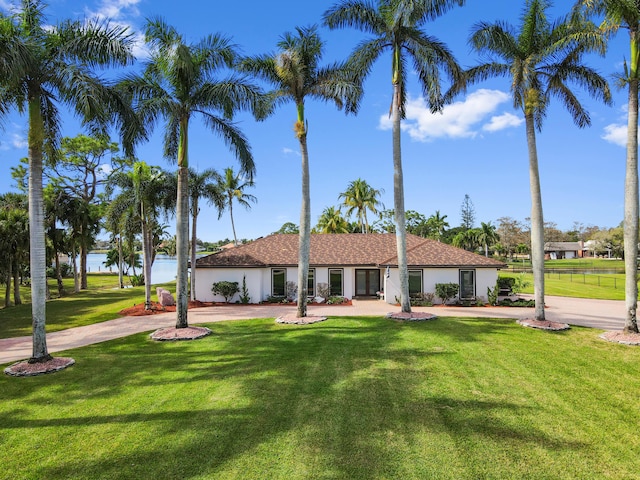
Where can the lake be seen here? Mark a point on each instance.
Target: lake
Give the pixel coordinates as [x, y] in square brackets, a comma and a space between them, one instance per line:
[163, 270]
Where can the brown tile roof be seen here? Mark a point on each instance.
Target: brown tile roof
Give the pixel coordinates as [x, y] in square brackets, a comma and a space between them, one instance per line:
[348, 249]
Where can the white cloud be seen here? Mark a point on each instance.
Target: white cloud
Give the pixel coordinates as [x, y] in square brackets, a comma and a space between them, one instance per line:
[458, 120]
[289, 151]
[616, 133]
[18, 141]
[500, 122]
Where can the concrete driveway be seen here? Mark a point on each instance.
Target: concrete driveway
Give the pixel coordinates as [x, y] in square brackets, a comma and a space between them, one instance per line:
[601, 314]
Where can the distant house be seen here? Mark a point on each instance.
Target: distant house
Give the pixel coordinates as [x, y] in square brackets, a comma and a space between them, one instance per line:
[351, 265]
[560, 250]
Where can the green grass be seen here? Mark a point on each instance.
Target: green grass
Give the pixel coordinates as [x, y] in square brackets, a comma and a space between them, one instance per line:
[101, 302]
[599, 286]
[575, 263]
[350, 398]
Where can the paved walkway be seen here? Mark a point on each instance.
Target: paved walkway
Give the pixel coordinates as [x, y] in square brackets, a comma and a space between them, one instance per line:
[602, 314]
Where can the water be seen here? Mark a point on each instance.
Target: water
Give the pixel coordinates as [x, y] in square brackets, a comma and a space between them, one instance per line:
[163, 270]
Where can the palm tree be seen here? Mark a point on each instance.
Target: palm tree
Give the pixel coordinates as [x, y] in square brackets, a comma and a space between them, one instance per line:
[542, 60]
[179, 82]
[143, 193]
[332, 221]
[626, 14]
[487, 235]
[295, 74]
[438, 223]
[231, 187]
[45, 65]
[396, 26]
[468, 239]
[202, 185]
[360, 197]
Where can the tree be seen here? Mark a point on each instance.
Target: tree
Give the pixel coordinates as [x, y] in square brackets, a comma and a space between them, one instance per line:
[332, 221]
[511, 233]
[467, 213]
[487, 235]
[396, 26]
[437, 224]
[179, 83]
[542, 60]
[202, 185]
[41, 66]
[360, 197]
[14, 242]
[144, 191]
[231, 187]
[288, 227]
[467, 239]
[79, 170]
[295, 74]
[626, 14]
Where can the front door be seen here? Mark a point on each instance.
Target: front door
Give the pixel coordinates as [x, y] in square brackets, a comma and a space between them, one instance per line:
[367, 283]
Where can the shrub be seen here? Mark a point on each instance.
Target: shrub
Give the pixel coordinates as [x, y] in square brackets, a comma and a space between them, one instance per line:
[447, 291]
[244, 295]
[276, 299]
[422, 299]
[226, 289]
[336, 300]
[518, 303]
[136, 280]
[520, 283]
[505, 283]
[492, 294]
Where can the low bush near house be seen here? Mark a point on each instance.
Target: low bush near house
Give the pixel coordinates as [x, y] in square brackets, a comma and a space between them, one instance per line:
[447, 291]
[226, 289]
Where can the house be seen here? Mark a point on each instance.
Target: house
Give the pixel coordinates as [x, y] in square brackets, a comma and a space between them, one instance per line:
[559, 250]
[350, 265]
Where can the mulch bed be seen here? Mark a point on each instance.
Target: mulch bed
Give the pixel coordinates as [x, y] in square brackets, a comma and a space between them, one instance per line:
[138, 310]
[291, 319]
[623, 338]
[26, 369]
[170, 334]
[411, 316]
[544, 324]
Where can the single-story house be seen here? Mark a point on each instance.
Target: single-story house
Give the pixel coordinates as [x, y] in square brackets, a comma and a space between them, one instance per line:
[559, 250]
[350, 265]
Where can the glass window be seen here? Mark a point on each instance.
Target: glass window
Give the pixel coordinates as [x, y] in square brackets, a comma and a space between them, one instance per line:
[311, 283]
[278, 282]
[335, 282]
[415, 282]
[467, 283]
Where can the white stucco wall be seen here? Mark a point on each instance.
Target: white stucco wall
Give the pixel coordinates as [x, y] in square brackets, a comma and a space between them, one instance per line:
[485, 277]
[259, 281]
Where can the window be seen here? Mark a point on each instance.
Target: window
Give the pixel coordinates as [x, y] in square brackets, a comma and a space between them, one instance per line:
[335, 282]
[278, 282]
[311, 283]
[467, 283]
[415, 282]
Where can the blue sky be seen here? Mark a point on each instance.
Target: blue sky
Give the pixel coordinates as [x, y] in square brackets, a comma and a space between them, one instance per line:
[477, 146]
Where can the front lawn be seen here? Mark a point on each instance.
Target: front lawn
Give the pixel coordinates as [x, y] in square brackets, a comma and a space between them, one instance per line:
[349, 398]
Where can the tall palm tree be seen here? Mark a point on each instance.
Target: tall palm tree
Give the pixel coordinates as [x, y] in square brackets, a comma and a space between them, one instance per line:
[360, 197]
[179, 83]
[295, 74]
[202, 185]
[487, 235]
[438, 223]
[396, 26]
[143, 193]
[46, 65]
[626, 14]
[332, 221]
[542, 60]
[231, 188]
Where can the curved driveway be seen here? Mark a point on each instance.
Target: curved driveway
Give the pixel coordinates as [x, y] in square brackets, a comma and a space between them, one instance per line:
[602, 314]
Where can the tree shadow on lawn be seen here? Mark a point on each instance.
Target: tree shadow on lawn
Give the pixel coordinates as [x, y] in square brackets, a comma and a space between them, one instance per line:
[319, 398]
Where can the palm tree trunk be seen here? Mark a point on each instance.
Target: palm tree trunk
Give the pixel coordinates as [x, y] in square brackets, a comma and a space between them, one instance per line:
[398, 202]
[16, 283]
[83, 256]
[59, 275]
[194, 239]
[182, 228]
[146, 258]
[305, 219]
[631, 199]
[120, 273]
[37, 250]
[76, 279]
[233, 225]
[7, 296]
[537, 221]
